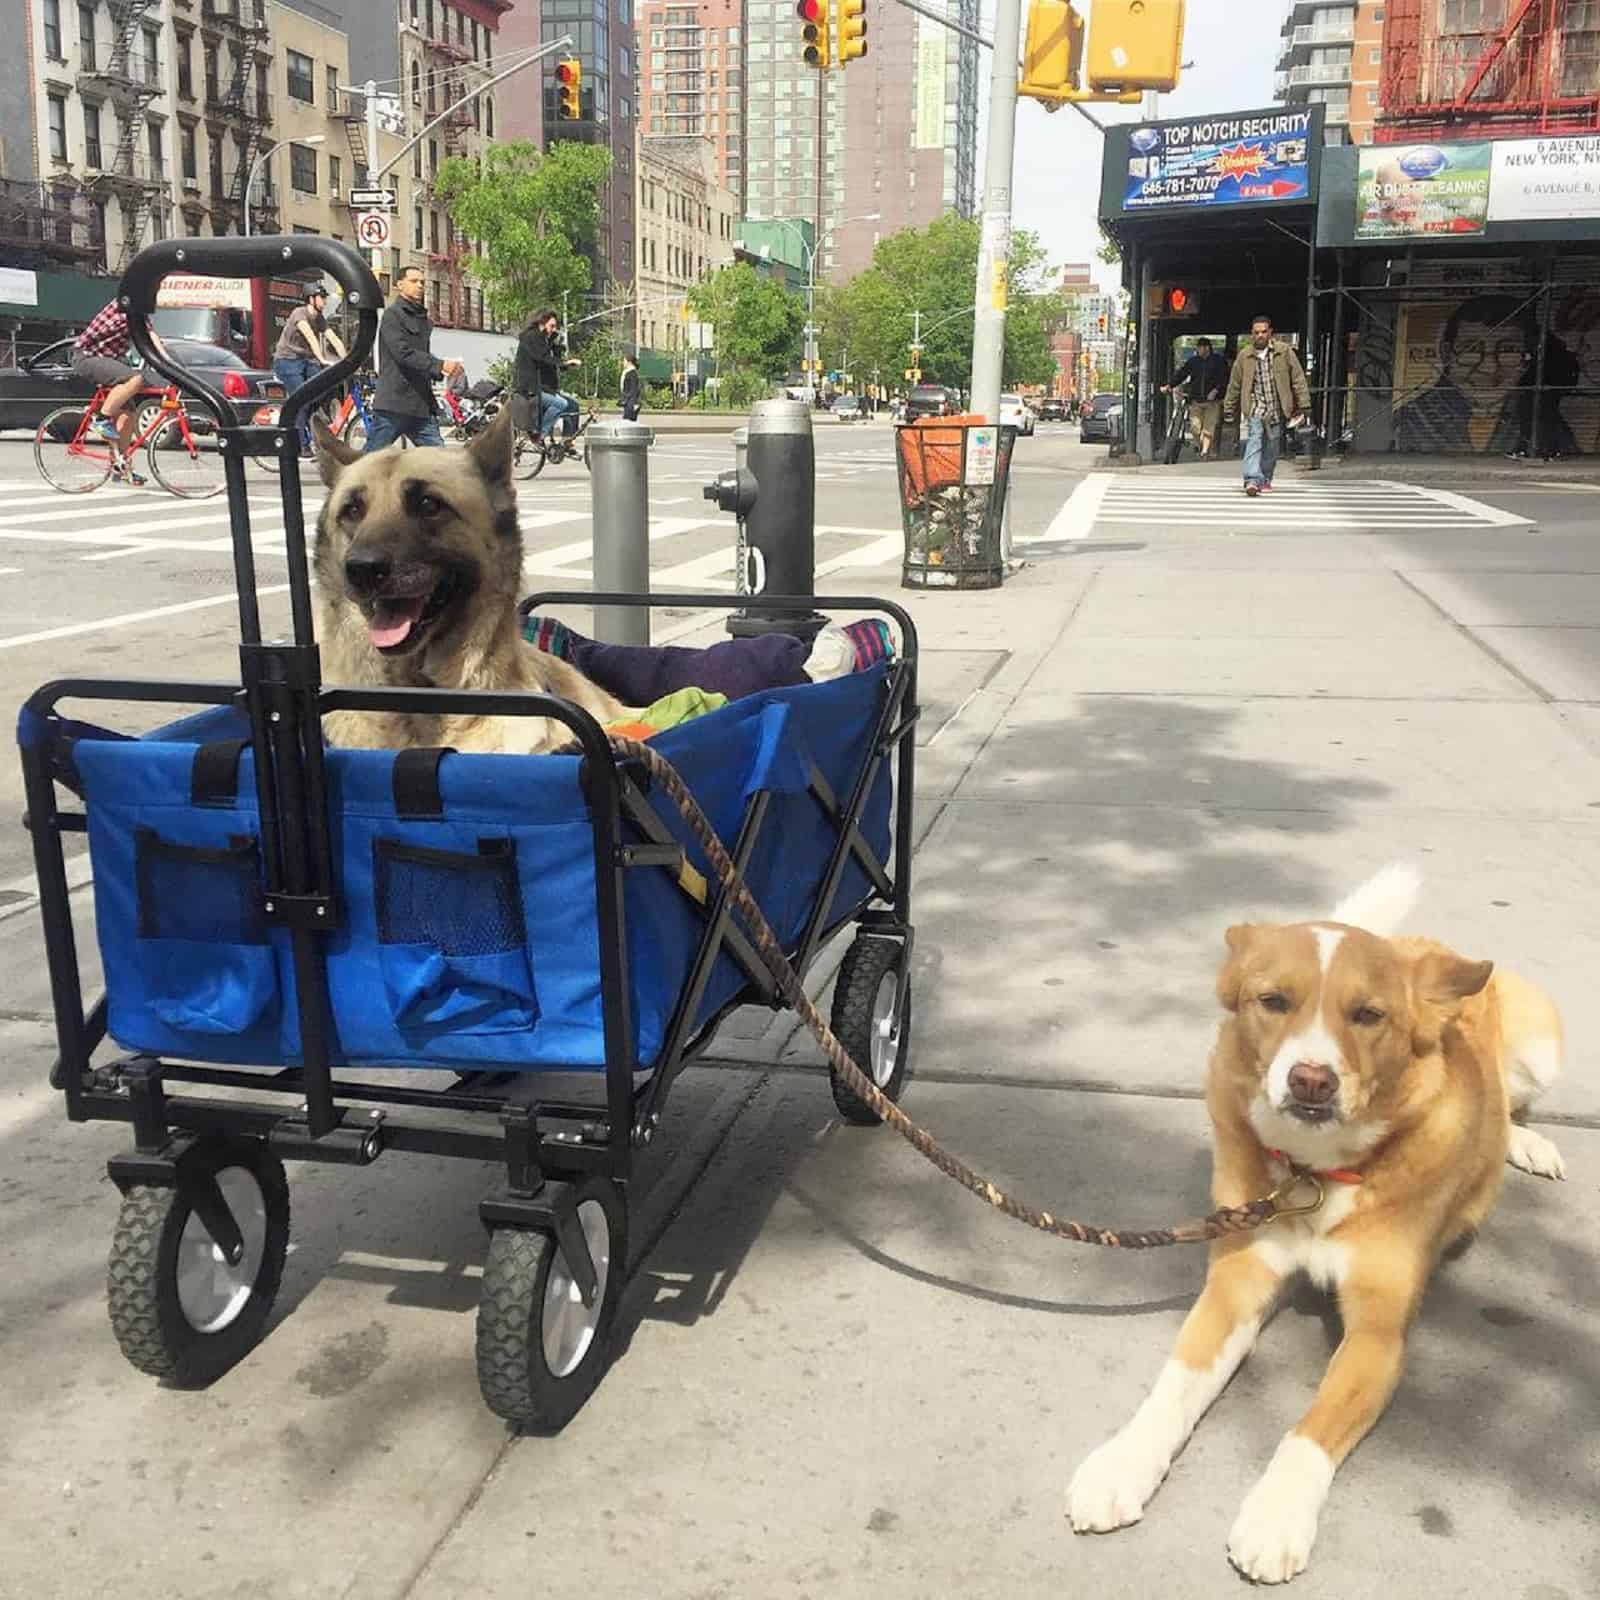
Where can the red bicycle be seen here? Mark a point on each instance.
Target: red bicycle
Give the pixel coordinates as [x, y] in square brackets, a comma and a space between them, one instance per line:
[184, 458]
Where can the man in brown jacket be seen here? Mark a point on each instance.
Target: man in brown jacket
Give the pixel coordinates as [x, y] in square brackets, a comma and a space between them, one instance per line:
[1268, 389]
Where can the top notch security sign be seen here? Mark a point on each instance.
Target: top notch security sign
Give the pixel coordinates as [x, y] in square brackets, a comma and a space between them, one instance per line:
[1246, 159]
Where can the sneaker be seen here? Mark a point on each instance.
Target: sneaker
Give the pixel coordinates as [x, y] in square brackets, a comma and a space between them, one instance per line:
[1267, 488]
[1252, 489]
[104, 428]
[123, 473]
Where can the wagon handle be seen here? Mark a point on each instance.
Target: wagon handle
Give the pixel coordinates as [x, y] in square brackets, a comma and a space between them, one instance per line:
[251, 258]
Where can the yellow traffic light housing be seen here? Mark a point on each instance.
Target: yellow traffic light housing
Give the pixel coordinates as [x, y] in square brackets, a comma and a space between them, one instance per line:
[1136, 45]
[814, 32]
[1053, 56]
[569, 89]
[852, 30]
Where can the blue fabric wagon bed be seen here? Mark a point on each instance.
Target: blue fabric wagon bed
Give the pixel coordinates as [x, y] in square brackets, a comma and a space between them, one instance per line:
[470, 937]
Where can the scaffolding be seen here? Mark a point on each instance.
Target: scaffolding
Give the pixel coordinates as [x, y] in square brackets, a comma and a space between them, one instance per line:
[43, 225]
[1455, 69]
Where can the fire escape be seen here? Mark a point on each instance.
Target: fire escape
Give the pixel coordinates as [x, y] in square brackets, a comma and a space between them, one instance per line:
[1489, 69]
[42, 225]
[128, 83]
[448, 62]
[237, 99]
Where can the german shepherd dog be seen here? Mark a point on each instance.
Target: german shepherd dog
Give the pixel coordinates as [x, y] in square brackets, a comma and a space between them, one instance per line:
[418, 562]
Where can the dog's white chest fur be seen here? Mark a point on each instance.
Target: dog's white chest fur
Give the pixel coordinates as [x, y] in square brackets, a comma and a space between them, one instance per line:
[1301, 1244]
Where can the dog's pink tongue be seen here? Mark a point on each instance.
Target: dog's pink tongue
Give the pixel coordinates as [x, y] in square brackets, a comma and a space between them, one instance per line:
[393, 621]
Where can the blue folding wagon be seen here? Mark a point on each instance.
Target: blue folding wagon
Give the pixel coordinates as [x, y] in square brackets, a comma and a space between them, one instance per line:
[319, 954]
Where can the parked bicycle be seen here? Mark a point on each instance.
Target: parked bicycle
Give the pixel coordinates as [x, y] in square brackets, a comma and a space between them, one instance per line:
[530, 453]
[182, 454]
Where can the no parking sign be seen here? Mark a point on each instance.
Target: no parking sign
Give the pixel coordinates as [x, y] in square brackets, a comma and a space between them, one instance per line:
[372, 230]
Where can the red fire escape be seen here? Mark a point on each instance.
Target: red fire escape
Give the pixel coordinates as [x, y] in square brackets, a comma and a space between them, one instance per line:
[1463, 69]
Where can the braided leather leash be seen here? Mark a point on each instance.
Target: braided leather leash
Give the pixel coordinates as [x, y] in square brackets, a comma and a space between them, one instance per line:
[1220, 1223]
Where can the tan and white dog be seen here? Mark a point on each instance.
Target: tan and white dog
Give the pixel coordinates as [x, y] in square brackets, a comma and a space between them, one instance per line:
[1394, 1068]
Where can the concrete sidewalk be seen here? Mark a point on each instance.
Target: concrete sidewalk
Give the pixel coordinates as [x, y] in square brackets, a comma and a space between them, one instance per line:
[839, 1375]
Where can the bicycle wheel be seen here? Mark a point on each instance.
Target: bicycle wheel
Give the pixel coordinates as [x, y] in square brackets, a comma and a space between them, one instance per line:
[1177, 431]
[355, 432]
[72, 467]
[527, 456]
[190, 467]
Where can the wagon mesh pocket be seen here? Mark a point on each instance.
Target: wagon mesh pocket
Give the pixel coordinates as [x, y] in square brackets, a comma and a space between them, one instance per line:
[452, 937]
[207, 964]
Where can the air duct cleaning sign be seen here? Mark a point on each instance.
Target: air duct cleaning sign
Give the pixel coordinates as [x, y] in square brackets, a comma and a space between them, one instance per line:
[1422, 191]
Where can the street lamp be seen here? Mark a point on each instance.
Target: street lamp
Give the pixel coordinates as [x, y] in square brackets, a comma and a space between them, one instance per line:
[255, 167]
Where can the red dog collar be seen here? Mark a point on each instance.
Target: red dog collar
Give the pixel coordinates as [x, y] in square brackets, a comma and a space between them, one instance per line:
[1332, 1174]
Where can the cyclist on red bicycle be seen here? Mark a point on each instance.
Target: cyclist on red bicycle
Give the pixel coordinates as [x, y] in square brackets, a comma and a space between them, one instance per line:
[100, 357]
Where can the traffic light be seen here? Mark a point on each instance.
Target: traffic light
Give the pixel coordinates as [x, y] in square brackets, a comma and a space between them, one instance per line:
[1180, 302]
[569, 89]
[852, 30]
[1135, 44]
[1053, 56]
[1102, 321]
[813, 15]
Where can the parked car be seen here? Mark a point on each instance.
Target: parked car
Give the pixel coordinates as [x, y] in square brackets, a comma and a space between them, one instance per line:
[1095, 425]
[1014, 414]
[44, 381]
[1052, 409]
[849, 408]
[931, 400]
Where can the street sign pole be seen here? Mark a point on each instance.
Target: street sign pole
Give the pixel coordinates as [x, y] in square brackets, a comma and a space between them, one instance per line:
[994, 248]
[373, 159]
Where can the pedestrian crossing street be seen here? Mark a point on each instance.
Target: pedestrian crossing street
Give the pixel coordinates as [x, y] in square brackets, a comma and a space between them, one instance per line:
[1297, 504]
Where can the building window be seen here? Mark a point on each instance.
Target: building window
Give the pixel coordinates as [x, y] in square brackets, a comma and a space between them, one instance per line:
[303, 168]
[334, 176]
[216, 167]
[86, 37]
[416, 161]
[433, 231]
[302, 86]
[211, 73]
[52, 32]
[333, 91]
[433, 158]
[416, 229]
[185, 66]
[488, 115]
[152, 65]
[158, 155]
[58, 127]
[1377, 58]
[91, 136]
[416, 84]
[189, 155]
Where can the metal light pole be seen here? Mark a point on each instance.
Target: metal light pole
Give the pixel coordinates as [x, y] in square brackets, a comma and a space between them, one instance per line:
[994, 249]
[256, 165]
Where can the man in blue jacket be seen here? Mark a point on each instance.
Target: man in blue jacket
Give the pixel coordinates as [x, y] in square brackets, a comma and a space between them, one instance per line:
[404, 405]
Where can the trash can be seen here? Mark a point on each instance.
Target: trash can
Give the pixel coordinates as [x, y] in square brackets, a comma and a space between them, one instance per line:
[953, 475]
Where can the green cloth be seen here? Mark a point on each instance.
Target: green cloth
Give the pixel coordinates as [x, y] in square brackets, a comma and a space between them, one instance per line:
[673, 710]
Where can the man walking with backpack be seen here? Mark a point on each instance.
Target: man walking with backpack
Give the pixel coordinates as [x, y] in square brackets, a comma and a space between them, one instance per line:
[1268, 390]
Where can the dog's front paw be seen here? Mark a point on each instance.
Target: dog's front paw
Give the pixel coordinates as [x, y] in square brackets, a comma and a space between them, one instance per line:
[1532, 1152]
[1277, 1524]
[1114, 1484]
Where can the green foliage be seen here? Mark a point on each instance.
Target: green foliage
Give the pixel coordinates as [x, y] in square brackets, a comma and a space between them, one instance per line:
[934, 270]
[533, 213]
[755, 321]
[1109, 252]
[659, 397]
[500, 369]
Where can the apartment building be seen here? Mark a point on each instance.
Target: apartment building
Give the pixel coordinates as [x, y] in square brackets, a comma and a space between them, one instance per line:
[688, 225]
[1332, 54]
[691, 78]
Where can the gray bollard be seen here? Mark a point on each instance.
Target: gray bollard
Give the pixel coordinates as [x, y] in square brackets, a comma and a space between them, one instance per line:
[620, 489]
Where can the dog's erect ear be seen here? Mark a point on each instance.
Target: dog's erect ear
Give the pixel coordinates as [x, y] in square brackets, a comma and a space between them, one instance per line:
[490, 452]
[1445, 980]
[1240, 940]
[333, 455]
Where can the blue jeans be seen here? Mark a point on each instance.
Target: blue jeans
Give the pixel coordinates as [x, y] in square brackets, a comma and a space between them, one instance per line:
[558, 407]
[1260, 451]
[387, 426]
[292, 372]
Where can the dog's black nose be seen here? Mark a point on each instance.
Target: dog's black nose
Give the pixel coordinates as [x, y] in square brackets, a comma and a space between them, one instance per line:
[1312, 1084]
[365, 574]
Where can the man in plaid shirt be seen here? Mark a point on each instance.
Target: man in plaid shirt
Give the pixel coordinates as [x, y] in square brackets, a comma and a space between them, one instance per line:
[100, 358]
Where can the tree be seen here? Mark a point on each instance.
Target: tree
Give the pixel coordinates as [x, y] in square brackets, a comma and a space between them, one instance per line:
[1110, 252]
[927, 277]
[755, 321]
[533, 213]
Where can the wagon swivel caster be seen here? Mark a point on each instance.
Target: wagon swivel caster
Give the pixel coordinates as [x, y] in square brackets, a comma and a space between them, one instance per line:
[183, 1305]
[872, 1020]
[541, 1350]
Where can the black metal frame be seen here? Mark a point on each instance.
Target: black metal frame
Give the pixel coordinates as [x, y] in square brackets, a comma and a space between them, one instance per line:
[281, 693]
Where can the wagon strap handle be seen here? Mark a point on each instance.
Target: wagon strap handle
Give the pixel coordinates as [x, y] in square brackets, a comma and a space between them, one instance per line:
[1219, 1224]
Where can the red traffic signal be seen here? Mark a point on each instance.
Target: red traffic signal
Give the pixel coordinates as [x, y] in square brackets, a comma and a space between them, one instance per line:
[814, 35]
[1180, 300]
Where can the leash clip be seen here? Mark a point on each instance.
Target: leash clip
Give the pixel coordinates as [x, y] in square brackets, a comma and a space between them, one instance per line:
[1296, 1177]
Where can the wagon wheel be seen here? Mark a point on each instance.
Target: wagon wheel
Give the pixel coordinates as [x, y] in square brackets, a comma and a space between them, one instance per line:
[541, 1351]
[872, 1020]
[179, 1307]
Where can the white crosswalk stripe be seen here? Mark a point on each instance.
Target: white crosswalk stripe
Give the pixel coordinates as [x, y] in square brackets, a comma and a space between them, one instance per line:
[1182, 502]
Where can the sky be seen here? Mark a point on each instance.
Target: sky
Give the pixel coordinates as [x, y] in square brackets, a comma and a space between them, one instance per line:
[1056, 185]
